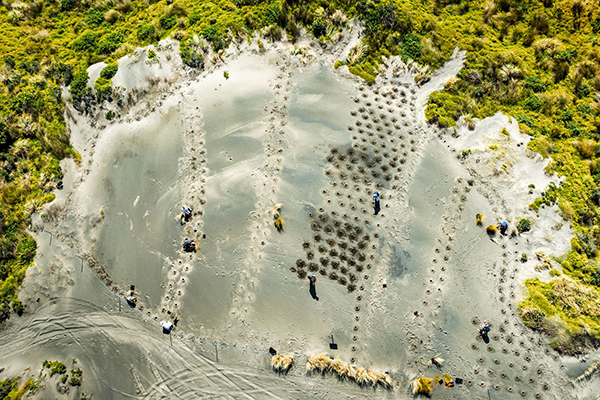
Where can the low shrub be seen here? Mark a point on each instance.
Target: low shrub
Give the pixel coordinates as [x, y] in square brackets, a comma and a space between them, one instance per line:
[524, 225]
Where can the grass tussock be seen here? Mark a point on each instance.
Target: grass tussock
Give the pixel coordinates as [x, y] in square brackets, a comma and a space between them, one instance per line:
[282, 364]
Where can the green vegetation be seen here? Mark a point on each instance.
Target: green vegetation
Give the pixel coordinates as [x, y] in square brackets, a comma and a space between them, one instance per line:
[9, 388]
[55, 367]
[524, 225]
[559, 309]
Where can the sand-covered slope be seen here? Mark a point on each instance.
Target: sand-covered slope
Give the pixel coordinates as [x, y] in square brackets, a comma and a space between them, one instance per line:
[285, 128]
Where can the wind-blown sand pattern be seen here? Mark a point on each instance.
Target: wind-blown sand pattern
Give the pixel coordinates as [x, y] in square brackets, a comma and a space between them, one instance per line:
[394, 289]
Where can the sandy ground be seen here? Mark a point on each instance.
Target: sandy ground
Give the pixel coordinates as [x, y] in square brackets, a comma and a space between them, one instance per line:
[393, 290]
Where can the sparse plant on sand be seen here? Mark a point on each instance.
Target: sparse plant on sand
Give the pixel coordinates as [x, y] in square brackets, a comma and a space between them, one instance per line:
[421, 386]
[491, 230]
[479, 219]
[524, 225]
[281, 364]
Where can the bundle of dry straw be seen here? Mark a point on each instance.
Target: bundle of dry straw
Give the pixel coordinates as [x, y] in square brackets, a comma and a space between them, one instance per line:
[324, 364]
[281, 364]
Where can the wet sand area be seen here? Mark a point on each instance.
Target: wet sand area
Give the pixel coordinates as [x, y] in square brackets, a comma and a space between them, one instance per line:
[288, 138]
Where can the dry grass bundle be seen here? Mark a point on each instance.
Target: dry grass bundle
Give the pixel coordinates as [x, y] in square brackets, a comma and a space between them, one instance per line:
[319, 363]
[281, 364]
[479, 219]
[421, 386]
[362, 376]
[378, 377]
[343, 371]
[436, 361]
[277, 211]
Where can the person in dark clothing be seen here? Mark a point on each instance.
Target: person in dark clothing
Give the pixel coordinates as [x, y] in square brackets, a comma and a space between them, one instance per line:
[313, 289]
[189, 246]
[376, 203]
[503, 226]
[186, 214]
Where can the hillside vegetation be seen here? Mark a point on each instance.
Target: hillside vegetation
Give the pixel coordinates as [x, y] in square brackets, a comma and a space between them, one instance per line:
[536, 60]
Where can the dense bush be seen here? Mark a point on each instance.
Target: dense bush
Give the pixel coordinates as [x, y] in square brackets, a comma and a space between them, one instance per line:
[411, 47]
[86, 43]
[145, 33]
[111, 42]
[167, 21]
[535, 83]
[109, 71]
[79, 85]
[191, 56]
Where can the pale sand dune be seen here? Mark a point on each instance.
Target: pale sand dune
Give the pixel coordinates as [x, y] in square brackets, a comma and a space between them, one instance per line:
[318, 142]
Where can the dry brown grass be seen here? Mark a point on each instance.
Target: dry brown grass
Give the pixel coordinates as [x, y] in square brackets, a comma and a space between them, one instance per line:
[281, 363]
[421, 386]
[586, 148]
[576, 299]
[277, 211]
[322, 364]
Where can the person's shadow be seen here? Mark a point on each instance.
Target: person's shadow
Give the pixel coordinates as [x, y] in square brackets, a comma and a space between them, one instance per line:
[485, 337]
[313, 291]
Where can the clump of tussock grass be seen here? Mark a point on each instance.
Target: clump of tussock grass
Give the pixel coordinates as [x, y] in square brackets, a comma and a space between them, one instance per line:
[282, 364]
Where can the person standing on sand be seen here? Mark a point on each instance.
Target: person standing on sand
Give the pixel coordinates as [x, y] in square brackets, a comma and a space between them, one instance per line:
[186, 214]
[376, 203]
[484, 328]
[503, 226]
[312, 278]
